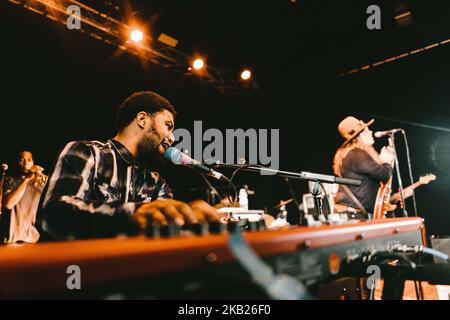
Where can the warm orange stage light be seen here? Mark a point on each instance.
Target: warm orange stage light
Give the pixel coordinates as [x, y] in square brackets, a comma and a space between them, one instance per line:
[198, 64]
[246, 74]
[136, 35]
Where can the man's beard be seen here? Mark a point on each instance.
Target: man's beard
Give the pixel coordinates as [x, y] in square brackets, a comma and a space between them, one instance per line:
[148, 154]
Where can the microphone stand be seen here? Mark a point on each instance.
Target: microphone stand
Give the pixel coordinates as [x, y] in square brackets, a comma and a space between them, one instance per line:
[1, 189]
[303, 175]
[212, 192]
[399, 177]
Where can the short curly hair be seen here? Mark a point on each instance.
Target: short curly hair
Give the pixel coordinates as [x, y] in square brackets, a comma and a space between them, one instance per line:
[146, 101]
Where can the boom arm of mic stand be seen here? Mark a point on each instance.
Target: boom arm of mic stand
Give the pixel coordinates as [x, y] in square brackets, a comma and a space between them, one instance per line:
[303, 175]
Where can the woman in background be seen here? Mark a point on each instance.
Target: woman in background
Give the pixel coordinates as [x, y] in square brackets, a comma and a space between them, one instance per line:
[21, 193]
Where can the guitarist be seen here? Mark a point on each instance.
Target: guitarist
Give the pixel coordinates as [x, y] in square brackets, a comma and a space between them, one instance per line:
[356, 158]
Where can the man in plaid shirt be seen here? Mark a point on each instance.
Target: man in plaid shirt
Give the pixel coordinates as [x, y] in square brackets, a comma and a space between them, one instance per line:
[101, 189]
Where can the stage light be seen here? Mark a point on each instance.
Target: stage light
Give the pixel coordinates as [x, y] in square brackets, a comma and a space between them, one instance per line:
[198, 64]
[246, 74]
[137, 35]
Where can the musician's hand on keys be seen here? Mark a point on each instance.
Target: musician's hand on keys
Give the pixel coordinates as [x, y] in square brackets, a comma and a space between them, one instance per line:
[387, 155]
[169, 211]
[204, 210]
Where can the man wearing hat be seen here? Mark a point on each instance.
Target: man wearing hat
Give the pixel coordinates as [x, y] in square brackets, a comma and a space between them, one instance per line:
[357, 159]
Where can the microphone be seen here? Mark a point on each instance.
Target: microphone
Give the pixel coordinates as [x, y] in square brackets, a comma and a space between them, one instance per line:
[36, 169]
[4, 167]
[380, 134]
[177, 157]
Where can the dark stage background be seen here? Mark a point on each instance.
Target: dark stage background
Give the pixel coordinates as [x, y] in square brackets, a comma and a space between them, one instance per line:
[60, 85]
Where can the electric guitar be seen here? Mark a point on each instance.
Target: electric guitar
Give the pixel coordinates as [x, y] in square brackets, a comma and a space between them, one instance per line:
[384, 201]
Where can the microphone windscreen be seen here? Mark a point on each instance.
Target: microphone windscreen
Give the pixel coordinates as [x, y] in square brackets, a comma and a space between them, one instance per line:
[177, 157]
[173, 155]
[4, 166]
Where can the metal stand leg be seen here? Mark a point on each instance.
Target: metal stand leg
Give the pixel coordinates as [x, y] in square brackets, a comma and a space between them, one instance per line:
[394, 286]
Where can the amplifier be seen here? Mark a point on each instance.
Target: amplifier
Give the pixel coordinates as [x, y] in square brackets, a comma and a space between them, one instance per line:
[441, 244]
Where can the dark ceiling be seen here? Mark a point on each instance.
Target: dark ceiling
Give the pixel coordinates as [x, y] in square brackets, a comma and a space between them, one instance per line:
[289, 44]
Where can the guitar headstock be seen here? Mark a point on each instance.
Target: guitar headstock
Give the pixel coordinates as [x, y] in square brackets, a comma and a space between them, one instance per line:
[427, 178]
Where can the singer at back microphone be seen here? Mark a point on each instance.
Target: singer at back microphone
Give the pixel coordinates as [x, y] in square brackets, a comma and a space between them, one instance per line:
[357, 159]
[380, 134]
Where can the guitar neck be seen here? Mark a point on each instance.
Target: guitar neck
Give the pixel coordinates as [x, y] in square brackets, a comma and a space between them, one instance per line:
[406, 191]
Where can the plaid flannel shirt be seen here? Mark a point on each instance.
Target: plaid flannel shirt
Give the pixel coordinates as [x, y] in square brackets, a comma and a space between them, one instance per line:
[94, 189]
